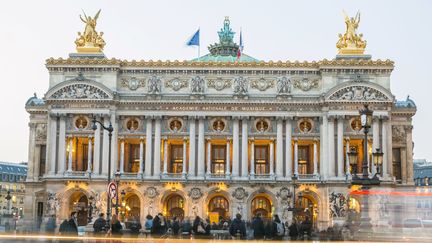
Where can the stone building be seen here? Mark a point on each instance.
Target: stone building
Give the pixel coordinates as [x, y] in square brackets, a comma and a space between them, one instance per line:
[12, 187]
[218, 135]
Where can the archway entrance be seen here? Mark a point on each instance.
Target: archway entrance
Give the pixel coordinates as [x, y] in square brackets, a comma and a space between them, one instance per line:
[79, 203]
[174, 206]
[261, 204]
[309, 210]
[220, 205]
[131, 207]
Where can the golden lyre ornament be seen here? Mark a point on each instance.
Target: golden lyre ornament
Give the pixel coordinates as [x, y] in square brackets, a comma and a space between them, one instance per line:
[90, 41]
[351, 43]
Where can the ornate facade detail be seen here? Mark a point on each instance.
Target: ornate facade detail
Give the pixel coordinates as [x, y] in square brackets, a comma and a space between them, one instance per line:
[80, 91]
[219, 84]
[355, 93]
[338, 205]
[197, 85]
[53, 203]
[151, 192]
[283, 85]
[132, 83]
[306, 84]
[176, 84]
[90, 41]
[398, 133]
[351, 43]
[284, 193]
[195, 193]
[241, 86]
[154, 85]
[240, 193]
[262, 84]
[41, 131]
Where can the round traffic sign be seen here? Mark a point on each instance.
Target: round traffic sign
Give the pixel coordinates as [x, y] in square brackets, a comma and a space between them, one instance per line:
[112, 190]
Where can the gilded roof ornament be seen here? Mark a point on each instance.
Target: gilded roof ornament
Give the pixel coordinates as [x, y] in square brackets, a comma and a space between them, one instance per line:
[351, 43]
[90, 41]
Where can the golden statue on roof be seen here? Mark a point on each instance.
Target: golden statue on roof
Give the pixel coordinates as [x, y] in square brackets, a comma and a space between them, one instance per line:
[351, 43]
[90, 41]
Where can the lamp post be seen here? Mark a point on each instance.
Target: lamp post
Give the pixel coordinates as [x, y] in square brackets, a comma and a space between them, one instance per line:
[117, 180]
[8, 198]
[294, 208]
[110, 129]
[123, 194]
[364, 180]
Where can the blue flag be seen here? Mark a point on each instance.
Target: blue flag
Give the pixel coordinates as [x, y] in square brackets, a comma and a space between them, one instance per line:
[195, 40]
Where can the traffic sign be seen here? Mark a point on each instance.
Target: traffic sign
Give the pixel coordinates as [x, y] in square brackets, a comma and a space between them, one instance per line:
[112, 190]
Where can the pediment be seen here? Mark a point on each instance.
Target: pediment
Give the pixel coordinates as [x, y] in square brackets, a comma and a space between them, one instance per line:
[80, 90]
[359, 93]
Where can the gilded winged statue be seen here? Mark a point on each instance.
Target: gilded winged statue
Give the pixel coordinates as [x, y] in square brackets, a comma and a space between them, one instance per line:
[90, 39]
[351, 42]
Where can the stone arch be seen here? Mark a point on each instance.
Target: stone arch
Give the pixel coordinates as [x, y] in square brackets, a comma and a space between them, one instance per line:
[215, 193]
[167, 194]
[321, 206]
[66, 198]
[87, 90]
[134, 192]
[261, 192]
[358, 92]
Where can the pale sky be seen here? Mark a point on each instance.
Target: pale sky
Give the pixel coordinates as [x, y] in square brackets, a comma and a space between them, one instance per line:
[32, 31]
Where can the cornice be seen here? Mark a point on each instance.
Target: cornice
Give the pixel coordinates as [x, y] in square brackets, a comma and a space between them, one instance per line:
[362, 63]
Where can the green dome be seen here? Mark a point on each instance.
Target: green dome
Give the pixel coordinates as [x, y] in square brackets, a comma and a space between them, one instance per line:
[218, 58]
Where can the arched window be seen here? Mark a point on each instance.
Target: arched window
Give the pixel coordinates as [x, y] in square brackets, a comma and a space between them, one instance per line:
[220, 205]
[132, 207]
[261, 205]
[175, 206]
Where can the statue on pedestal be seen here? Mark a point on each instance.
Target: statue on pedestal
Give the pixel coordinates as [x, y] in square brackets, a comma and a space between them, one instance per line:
[351, 43]
[90, 41]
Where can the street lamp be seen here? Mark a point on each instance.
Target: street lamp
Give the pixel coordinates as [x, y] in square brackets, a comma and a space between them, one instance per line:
[117, 180]
[8, 198]
[110, 129]
[365, 181]
[294, 208]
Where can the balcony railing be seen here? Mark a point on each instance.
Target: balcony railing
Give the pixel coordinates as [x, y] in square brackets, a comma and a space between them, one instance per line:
[308, 177]
[173, 176]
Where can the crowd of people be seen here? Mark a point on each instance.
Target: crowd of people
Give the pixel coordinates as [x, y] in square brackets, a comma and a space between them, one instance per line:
[159, 226]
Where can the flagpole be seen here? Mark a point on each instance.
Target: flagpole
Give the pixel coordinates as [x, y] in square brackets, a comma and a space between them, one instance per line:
[199, 43]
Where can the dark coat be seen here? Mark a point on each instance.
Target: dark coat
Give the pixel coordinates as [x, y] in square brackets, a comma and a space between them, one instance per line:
[156, 225]
[175, 227]
[238, 225]
[116, 228]
[258, 228]
[99, 225]
[293, 231]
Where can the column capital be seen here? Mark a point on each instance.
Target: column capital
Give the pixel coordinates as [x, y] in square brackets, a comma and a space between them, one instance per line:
[347, 138]
[251, 140]
[288, 118]
[384, 118]
[122, 139]
[340, 117]
[207, 139]
[157, 117]
[142, 139]
[185, 139]
[315, 140]
[245, 118]
[229, 140]
[376, 118]
[149, 117]
[272, 140]
[32, 125]
[201, 117]
[279, 118]
[235, 118]
[331, 118]
[295, 139]
[192, 118]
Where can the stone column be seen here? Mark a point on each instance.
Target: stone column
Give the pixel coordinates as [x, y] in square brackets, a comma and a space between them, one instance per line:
[296, 172]
[271, 157]
[70, 153]
[52, 144]
[279, 148]
[165, 168]
[201, 149]
[97, 151]
[114, 143]
[288, 148]
[62, 146]
[208, 157]
[105, 147]
[331, 148]
[148, 149]
[89, 152]
[141, 157]
[375, 142]
[403, 155]
[236, 148]
[340, 154]
[227, 164]
[324, 147]
[184, 156]
[347, 150]
[315, 157]
[252, 160]
[122, 150]
[192, 146]
[244, 161]
[386, 150]
[410, 165]
[157, 148]
[31, 175]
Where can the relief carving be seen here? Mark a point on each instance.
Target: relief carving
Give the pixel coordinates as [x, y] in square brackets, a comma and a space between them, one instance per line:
[262, 84]
[219, 84]
[80, 91]
[240, 86]
[176, 84]
[305, 84]
[197, 85]
[358, 93]
[154, 85]
[338, 205]
[132, 83]
[151, 192]
[41, 131]
[283, 85]
[195, 193]
[240, 193]
[398, 133]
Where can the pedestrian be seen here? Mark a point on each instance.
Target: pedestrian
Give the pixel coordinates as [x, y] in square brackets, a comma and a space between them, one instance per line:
[163, 224]
[135, 225]
[64, 227]
[148, 225]
[73, 224]
[293, 230]
[186, 227]
[116, 227]
[175, 226]
[51, 225]
[238, 227]
[155, 225]
[207, 227]
[99, 225]
[258, 227]
[278, 228]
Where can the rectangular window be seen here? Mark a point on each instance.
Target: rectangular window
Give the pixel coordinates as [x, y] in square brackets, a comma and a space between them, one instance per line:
[132, 166]
[84, 156]
[397, 164]
[261, 159]
[42, 160]
[218, 159]
[176, 159]
[304, 162]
